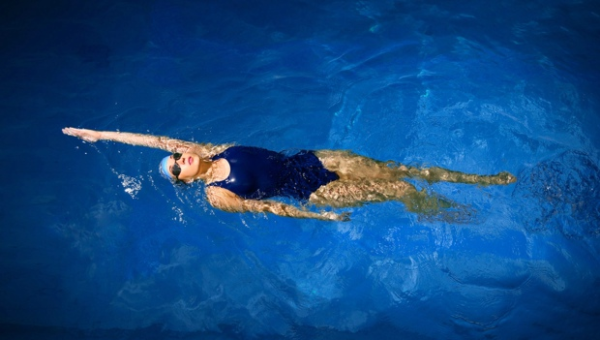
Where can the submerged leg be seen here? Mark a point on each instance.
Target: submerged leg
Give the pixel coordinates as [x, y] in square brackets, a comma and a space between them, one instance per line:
[345, 193]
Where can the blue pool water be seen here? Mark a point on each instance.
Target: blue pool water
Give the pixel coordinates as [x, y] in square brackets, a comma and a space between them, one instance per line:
[95, 244]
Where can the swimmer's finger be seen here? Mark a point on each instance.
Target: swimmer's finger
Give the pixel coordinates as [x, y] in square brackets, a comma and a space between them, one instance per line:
[69, 131]
[86, 135]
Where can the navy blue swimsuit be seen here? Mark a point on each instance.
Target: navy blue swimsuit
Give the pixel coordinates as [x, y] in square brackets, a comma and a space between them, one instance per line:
[259, 173]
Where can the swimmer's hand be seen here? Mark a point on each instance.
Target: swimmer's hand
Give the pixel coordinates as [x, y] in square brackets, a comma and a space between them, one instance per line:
[87, 135]
[331, 216]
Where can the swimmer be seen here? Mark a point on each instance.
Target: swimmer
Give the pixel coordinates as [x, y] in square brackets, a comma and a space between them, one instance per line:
[244, 179]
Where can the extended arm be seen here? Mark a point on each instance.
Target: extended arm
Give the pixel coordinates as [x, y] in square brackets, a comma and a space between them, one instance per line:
[158, 142]
[228, 201]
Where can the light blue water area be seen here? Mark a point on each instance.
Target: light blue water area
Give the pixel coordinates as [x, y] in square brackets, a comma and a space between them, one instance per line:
[95, 244]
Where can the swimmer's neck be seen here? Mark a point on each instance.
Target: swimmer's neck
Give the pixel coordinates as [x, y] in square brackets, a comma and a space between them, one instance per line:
[203, 169]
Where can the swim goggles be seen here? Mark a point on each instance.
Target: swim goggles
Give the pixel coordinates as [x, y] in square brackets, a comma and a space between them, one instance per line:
[175, 169]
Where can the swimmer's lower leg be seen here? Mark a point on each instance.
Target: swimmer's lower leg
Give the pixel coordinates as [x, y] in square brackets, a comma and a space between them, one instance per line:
[434, 208]
[436, 174]
[421, 202]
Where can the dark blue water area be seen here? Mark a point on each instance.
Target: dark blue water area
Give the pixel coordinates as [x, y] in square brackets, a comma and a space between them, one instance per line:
[95, 244]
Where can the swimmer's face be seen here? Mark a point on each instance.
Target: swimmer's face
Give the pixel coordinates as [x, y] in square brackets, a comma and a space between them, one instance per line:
[183, 166]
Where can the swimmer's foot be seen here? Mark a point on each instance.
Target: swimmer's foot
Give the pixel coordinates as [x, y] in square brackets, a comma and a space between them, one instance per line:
[507, 178]
[503, 178]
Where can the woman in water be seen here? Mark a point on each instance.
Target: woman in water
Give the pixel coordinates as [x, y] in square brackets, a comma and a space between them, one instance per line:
[242, 179]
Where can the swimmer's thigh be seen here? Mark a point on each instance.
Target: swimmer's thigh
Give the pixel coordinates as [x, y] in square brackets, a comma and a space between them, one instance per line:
[350, 166]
